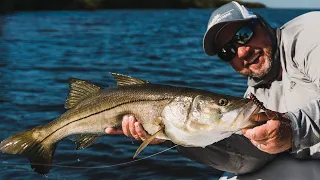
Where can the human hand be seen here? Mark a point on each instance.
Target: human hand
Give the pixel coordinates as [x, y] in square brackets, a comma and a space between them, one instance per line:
[132, 128]
[274, 136]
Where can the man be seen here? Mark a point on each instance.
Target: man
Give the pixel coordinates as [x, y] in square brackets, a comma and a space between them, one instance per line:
[283, 70]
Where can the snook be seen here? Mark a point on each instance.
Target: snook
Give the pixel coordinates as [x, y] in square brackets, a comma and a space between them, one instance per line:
[185, 116]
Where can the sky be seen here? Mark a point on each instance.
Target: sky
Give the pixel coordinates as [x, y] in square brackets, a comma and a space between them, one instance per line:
[314, 4]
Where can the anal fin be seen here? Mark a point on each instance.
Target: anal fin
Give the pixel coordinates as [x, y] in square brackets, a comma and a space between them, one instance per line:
[146, 142]
[84, 140]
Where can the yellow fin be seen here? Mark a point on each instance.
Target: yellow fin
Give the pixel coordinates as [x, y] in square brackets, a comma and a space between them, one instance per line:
[39, 154]
[84, 140]
[79, 89]
[146, 142]
[124, 80]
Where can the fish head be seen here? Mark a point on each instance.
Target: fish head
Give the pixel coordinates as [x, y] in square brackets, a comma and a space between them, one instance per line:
[204, 119]
[221, 113]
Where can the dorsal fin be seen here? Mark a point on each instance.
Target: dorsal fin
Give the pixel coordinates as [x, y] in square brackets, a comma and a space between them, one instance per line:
[79, 89]
[124, 80]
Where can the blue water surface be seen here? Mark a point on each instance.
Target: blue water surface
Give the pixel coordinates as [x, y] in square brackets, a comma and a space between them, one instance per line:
[41, 50]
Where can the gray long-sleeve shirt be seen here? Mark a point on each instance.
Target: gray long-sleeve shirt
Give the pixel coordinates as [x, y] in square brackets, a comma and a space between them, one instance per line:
[298, 93]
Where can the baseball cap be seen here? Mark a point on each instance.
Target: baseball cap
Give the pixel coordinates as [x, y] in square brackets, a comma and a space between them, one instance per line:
[228, 13]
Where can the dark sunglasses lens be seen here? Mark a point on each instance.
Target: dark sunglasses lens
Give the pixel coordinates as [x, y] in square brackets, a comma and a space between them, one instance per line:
[228, 52]
[243, 35]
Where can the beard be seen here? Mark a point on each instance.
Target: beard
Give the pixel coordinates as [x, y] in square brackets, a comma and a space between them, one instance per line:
[263, 68]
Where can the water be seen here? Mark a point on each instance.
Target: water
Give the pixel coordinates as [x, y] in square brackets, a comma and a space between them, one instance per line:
[40, 50]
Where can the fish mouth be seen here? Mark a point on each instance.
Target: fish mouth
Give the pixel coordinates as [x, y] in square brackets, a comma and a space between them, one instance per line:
[245, 114]
[237, 116]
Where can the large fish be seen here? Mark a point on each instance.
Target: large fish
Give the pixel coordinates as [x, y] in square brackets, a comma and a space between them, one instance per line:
[185, 116]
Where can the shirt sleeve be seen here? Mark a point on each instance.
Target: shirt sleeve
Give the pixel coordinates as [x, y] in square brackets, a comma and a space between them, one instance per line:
[306, 121]
[312, 64]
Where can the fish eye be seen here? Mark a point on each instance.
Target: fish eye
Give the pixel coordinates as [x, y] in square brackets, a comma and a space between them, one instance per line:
[223, 102]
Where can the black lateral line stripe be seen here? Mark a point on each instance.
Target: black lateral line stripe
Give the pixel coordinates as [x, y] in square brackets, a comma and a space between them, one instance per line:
[76, 120]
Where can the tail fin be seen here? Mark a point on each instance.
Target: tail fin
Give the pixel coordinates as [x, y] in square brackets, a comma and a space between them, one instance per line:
[40, 155]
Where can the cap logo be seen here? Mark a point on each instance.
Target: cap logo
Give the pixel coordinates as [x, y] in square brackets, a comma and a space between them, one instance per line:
[219, 17]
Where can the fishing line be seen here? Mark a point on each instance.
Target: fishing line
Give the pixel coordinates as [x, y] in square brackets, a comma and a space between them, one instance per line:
[92, 167]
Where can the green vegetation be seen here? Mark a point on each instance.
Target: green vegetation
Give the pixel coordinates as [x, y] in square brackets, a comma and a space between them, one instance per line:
[34, 5]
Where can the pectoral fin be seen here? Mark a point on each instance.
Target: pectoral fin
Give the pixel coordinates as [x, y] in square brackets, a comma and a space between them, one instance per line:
[146, 142]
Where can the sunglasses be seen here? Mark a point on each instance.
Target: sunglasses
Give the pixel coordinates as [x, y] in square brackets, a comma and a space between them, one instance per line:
[241, 37]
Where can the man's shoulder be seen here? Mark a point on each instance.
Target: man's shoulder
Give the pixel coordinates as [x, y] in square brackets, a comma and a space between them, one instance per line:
[310, 18]
[299, 36]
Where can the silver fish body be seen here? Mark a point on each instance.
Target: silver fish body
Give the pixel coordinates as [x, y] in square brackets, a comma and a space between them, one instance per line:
[185, 116]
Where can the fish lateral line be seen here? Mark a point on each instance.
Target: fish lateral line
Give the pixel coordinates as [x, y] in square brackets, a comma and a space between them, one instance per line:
[96, 113]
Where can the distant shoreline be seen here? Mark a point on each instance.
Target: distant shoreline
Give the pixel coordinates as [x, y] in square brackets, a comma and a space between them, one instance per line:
[36, 5]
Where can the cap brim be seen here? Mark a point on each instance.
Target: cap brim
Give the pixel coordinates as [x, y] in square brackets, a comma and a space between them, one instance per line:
[209, 37]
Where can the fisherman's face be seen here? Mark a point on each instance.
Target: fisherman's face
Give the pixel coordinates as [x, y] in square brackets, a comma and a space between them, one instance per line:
[254, 58]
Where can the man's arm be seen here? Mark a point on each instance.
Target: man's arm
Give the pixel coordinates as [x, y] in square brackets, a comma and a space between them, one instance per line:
[305, 123]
